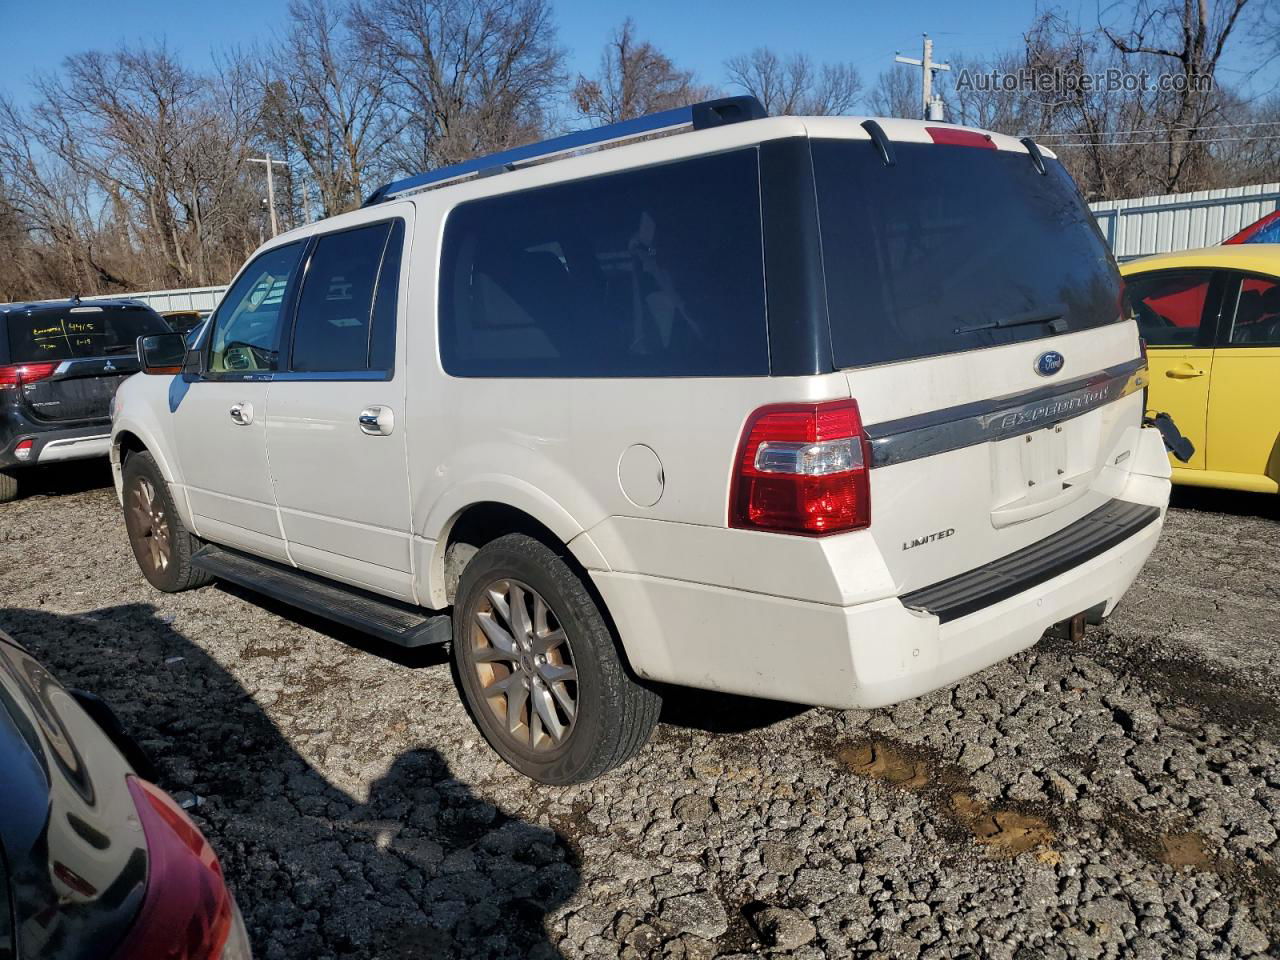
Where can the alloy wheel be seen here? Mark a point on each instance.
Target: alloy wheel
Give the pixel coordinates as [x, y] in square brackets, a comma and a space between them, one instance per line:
[524, 663]
[151, 526]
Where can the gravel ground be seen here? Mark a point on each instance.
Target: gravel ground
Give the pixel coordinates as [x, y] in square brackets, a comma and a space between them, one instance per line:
[1116, 797]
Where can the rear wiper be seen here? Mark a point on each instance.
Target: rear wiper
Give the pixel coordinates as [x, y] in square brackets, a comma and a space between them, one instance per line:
[119, 348]
[1052, 317]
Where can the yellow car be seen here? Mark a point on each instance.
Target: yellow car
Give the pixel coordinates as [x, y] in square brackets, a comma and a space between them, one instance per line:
[1211, 322]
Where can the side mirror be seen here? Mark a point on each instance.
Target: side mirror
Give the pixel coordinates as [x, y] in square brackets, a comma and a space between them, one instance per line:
[162, 353]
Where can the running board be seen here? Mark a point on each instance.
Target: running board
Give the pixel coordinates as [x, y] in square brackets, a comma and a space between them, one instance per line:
[390, 620]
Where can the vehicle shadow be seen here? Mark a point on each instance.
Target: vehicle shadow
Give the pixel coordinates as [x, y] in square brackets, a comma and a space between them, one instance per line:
[421, 867]
[1234, 502]
[61, 479]
[713, 712]
[683, 707]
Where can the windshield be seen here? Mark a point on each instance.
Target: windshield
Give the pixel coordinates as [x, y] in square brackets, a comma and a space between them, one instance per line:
[80, 331]
[954, 248]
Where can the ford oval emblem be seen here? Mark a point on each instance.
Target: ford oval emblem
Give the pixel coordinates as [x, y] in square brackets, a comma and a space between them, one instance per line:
[1049, 363]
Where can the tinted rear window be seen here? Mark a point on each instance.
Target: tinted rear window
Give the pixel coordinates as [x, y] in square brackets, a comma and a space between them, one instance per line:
[84, 331]
[652, 272]
[335, 308]
[953, 237]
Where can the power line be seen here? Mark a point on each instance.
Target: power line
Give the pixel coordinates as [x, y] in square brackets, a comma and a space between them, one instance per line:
[1121, 133]
[1149, 143]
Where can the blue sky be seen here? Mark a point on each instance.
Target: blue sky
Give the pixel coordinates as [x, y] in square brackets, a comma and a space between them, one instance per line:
[39, 34]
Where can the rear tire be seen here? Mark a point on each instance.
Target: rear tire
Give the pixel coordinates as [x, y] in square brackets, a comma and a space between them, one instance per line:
[539, 669]
[8, 487]
[161, 543]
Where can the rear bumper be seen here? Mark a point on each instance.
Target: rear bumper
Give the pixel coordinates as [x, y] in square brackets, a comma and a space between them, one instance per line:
[54, 444]
[864, 655]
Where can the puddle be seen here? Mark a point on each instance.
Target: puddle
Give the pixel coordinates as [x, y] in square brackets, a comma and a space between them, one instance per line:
[1184, 850]
[882, 761]
[1003, 832]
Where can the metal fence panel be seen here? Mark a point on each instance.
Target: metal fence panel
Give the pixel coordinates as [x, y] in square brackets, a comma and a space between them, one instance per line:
[1142, 226]
[163, 301]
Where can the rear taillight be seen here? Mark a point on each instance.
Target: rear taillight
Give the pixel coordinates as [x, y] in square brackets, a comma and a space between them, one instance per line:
[802, 468]
[187, 913]
[23, 449]
[15, 375]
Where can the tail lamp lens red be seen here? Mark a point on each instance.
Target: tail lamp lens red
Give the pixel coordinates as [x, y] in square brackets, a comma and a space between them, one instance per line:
[14, 375]
[188, 912]
[802, 468]
[960, 138]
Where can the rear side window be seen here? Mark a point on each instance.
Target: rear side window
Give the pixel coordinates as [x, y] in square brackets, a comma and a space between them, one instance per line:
[648, 273]
[1257, 315]
[954, 248]
[79, 331]
[1169, 306]
[333, 331]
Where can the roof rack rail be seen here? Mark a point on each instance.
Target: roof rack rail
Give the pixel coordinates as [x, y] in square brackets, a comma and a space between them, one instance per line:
[698, 116]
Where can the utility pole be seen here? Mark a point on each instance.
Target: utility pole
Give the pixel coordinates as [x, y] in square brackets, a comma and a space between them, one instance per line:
[271, 188]
[930, 106]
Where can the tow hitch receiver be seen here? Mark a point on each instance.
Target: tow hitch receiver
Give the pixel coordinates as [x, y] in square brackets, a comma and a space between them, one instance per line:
[1073, 627]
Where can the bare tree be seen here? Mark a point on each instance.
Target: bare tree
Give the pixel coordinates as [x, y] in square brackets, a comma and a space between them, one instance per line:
[1191, 36]
[465, 76]
[635, 78]
[896, 94]
[117, 163]
[795, 86]
[326, 98]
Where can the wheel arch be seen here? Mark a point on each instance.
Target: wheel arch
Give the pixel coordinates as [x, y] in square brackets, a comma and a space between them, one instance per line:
[129, 439]
[472, 526]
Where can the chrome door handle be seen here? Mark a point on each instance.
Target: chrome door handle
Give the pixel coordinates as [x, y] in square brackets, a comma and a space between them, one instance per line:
[377, 421]
[242, 414]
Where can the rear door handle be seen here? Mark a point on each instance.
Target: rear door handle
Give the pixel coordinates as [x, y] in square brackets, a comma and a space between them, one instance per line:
[377, 421]
[1184, 373]
[241, 414]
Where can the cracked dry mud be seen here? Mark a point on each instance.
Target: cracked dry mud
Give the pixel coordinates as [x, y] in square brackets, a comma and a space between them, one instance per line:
[1119, 796]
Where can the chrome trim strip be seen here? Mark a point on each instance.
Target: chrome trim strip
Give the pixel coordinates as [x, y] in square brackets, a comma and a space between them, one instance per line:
[941, 431]
[287, 376]
[75, 448]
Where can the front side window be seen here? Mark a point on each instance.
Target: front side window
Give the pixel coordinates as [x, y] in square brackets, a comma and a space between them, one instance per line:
[1257, 316]
[1169, 306]
[247, 324]
[337, 316]
[646, 273]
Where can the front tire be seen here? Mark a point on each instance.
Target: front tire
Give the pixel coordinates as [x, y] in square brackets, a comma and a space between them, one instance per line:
[8, 487]
[161, 543]
[539, 669]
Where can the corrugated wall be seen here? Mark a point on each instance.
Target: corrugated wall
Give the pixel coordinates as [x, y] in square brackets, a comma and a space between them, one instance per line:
[162, 301]
[1181, 221]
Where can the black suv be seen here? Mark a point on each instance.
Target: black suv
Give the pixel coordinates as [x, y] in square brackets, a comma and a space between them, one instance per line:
[60, 364]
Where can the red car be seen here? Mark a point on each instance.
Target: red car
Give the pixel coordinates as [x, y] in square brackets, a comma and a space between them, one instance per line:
[96, 863]
[1264, 230]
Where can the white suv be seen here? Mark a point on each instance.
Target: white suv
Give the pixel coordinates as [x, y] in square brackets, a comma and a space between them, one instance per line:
[826, 410]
